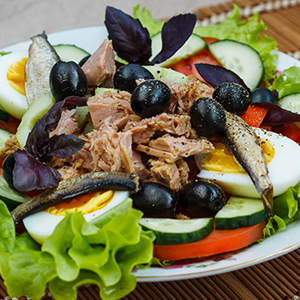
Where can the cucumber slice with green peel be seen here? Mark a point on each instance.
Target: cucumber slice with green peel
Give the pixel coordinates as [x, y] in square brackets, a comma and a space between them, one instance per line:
[177, 231]
[193, 45]
[70, 52]
[240, 58]
[35, 112]
[291, 102]
[240, 212]
[167, 74]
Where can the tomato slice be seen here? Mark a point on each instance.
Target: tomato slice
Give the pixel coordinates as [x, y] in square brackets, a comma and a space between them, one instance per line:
[209, 40]
[291, 131]
[187, 66]
[254, 115]
[11, 126]
[219, 241]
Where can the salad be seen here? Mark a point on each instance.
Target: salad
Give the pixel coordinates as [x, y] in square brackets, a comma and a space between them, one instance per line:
[102, 248]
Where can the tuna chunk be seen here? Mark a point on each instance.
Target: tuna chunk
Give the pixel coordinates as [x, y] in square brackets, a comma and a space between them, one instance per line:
[170, 149]
[174, 175]
[67, 123]
[100, 67]
[111, 105]
[145, 129]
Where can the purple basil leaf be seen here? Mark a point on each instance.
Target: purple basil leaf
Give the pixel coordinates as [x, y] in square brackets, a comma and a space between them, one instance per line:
[76, 100]
[174, 34]
[277, 116]
[215, 75]
[130, 39]
[30, 174]
[36, 143]
[63, 146]
[53, 116]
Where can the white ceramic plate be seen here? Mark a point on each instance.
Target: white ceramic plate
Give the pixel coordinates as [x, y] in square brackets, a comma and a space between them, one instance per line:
[89, 39]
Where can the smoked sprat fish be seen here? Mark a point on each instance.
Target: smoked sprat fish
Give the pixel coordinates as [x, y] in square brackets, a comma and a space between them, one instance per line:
[41, 58]
[77, 186]
[242, 141]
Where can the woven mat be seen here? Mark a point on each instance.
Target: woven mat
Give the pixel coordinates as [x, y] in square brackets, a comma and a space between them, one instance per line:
[275, 279]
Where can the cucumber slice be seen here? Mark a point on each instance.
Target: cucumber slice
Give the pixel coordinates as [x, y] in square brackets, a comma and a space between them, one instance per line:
[167, 74]
[10, 196]
[291, 102]
[82, 112]
[240, 212]
[174, 232]
[193, 45]
[70, 52]
[4, 136]
[35, 111]
[240, 58]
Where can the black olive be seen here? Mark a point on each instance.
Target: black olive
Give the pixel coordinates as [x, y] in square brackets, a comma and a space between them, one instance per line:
[263, 95]
[7, 169]
[83, 60]
[207, 117]
[67, 79]
[155, 200]
[202, 198]
[126, 76]
[233, 97]
[150, 98]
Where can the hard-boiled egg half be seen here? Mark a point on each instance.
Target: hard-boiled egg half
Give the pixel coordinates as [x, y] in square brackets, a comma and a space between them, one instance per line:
[283, 162]
[42, 224]
[12, 80]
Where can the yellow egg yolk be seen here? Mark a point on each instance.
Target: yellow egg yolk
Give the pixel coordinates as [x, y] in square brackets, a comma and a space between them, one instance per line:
[222, 160]
[86, 204]
[16, 75]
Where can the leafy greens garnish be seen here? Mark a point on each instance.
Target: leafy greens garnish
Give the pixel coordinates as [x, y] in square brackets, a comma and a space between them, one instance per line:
[40, 149]
[102, 252]
[132, 41]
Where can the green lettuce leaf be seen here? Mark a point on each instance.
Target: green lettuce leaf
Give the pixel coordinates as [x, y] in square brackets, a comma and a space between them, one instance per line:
[248, 31]
[108, 248]
[103, 252]
[286, 211]
[288, 82]
[146, 19]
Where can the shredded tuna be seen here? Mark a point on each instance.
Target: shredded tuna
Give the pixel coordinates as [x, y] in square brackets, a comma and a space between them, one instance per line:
[170, 149]
[174, 175]
[183, 96]
[158, 149]
[67, 123]
[100, 67]
[11, 145]
[176, 125]
[110, 150]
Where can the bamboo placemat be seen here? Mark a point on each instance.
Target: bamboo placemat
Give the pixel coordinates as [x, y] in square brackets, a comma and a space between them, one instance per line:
[275, 279]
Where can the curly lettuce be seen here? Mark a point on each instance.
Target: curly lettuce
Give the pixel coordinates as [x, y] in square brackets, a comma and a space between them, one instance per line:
[286, 211]
[288, 82]
[102, 252]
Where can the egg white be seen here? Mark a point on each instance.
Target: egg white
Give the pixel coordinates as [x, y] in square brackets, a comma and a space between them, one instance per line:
[42, 224]
[12, 102]
[284, 169]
